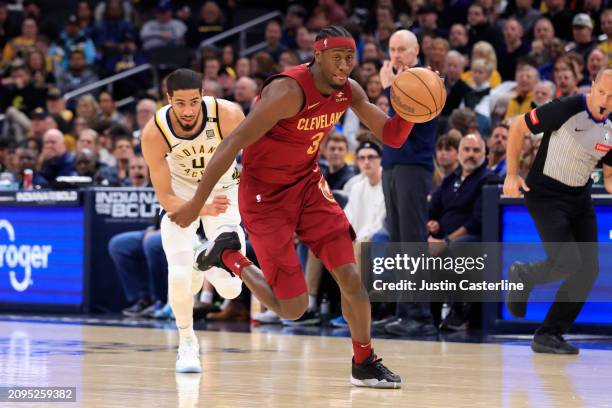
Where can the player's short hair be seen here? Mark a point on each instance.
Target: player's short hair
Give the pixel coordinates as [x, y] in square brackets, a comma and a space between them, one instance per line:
[332, 31]
[183, 78]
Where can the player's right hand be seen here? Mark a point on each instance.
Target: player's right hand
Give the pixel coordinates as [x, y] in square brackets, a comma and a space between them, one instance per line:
[513, 186]
[186, 214]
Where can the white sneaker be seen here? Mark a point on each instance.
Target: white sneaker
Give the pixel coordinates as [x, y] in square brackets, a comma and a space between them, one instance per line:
[269, 316]
[188, 358]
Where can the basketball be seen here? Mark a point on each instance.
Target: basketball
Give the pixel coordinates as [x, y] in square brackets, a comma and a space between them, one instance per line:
[418, 95]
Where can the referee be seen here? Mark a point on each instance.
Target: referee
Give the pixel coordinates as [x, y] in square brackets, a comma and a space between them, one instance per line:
[577, 135]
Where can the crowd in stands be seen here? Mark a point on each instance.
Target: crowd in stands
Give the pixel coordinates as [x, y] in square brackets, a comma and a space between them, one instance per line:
[498, 58]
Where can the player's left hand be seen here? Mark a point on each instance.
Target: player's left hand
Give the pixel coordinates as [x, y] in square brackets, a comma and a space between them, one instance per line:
[185, 214]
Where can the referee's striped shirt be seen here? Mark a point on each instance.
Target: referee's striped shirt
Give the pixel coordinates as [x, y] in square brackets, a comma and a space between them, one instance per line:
[573, 143]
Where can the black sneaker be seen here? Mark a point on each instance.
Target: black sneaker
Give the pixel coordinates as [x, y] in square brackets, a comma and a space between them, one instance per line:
[552, 343]
[309, 318]
[457, 319]
[516, 300]
[137, 308]
[372, 373]
[380, 324]
[411, 328]
[209, 255]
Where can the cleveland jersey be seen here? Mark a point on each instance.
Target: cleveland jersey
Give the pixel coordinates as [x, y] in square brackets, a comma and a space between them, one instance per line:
[188, 156]
[289, 151]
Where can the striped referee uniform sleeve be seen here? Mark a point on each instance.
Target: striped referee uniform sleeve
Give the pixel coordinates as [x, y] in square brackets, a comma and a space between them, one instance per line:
[548, 117]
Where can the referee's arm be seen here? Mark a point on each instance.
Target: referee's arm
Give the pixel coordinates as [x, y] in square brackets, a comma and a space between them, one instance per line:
[513, 182]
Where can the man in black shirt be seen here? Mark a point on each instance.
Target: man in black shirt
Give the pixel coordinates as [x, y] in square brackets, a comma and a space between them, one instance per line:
[577, 135]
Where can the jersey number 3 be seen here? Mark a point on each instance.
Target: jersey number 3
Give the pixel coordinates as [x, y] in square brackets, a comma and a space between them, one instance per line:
[316, 141]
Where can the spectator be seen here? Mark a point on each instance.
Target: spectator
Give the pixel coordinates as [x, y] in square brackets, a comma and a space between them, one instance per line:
[54, 160]
[78, 74]
[543, 30]
[212, 88]
[7, 29]
[582, 33]
[383, 103]
[212, 66]
[26, 159]
[458, 38]
[566, 82]
[108, 109]
[446, 160]
[164, 31]
[305, 41]
[427, 22]
[227, 80]
[127, 58]
[18, 47]
[456, 88]
[335, 13]
[142, 268]
[245, 93]
[243, 67]
[138, 172]
[70, 39]
[337, 172]
[526, 79]
[439, 50]
[486, 51]
[294, 20]
[88, 140]
[37, 64]
[288, 59]
[560, 17]
[480, 29]
[273, 36]
[477, 98]
[497, 149]
[373, 87]
[365, 209]
[367, 68]
[514, 48]
[455, 212]
[407, 176]
[526, 15]
[606, 41]
[85, 163]
[123, 151]
[145, 110]
[18, 90]
[595, 62]
[543, 92]
[85, 16]
[89, 110]
[209, 24]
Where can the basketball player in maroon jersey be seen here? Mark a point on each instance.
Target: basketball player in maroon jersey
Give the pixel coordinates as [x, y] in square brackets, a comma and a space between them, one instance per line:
[282, 191]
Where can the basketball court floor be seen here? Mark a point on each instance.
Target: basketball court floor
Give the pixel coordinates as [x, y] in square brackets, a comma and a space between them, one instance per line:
[119, 366]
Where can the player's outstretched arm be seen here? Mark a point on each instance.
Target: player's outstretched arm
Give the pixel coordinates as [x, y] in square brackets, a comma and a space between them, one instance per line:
[154, 150]
[282, 98]
[391, 131]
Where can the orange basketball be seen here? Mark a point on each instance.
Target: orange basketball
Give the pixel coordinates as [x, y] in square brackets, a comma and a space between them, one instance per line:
[418, 95]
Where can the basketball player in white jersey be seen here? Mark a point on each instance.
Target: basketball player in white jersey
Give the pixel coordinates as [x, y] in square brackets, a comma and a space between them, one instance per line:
[177, 144]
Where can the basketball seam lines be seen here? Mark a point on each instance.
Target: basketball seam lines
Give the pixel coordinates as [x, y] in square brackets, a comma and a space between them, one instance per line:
[433, 98]
[425, 106]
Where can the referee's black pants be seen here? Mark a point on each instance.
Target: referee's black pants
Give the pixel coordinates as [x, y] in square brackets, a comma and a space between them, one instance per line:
[568, 227]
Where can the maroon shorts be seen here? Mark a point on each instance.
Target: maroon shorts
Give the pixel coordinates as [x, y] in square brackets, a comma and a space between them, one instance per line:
[272, 213]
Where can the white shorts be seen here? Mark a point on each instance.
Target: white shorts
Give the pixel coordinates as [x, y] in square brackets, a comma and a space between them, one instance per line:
[176, 239]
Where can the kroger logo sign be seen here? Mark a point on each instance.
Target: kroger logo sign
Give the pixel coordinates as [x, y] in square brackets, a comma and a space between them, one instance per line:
[19, 260]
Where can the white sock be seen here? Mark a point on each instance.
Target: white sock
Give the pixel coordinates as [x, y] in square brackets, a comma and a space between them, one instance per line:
[179, 290]
[206, 296]
[312, 303]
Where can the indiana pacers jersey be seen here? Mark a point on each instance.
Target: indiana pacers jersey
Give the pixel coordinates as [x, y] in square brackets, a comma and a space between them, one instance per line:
[189, 156]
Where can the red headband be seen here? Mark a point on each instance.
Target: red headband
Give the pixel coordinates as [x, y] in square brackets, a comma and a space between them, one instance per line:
[334, 42]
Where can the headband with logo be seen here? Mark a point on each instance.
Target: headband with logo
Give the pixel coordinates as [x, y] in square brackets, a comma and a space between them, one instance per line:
[334, 42]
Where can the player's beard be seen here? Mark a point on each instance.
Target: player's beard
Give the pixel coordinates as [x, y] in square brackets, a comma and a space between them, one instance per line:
[188, 128]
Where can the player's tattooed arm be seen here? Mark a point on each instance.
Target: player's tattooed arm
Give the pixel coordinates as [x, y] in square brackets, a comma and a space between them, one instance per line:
[281, 99]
